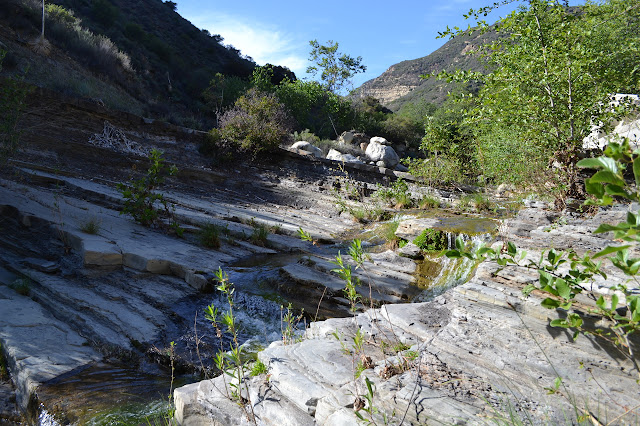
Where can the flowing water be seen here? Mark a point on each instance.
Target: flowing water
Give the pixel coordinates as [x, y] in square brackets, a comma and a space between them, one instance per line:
[119, 394]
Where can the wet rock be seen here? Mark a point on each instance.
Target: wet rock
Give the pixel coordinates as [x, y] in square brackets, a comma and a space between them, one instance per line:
[409, 229]
[411, 251]
[24, 325]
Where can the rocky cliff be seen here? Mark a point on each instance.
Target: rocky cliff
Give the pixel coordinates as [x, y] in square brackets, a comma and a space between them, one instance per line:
[402, 82]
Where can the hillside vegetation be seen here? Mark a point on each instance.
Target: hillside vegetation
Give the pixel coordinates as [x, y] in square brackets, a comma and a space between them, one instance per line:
[139, 56]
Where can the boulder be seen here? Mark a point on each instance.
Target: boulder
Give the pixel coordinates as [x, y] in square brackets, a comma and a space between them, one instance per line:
[306, 146]
[345, 158]
[402, 168]
[411, 251]
[379, 152]
[627, 127]
[346, 137]
[380, 140]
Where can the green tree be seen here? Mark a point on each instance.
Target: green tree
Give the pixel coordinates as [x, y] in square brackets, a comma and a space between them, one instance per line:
[336, 69]
[552, 71]
[224, 91]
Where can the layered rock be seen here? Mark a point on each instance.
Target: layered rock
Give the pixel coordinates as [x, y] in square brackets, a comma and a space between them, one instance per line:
[479, 352]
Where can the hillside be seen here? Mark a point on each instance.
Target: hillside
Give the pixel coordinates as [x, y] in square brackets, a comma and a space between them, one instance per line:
[401, 83]
[138, 56]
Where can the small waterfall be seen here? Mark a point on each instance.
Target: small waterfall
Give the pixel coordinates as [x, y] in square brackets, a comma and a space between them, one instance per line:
[453, 272]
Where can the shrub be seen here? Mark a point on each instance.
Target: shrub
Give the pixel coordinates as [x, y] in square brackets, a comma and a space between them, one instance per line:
[21, 286]
[91, 226]
[306, 135]
[223, 91]
[104, 12]
[437, 171]
[482, 203]
[133, 31]
[398, 194]
[140, 198]
[210, 236]
[94, 50]
[256, 123]
[432, 240]
[259, 234]
[429, 202]
[500, 154]
[403, 129]
[258, 368]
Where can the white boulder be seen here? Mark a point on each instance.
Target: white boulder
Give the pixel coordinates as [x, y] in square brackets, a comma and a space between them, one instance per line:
[378, 152]
[627, 127]
[336, 155]
[379, 139]
[306, 146]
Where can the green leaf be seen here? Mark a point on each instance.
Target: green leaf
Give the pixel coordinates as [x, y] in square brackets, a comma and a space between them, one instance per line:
[369, 385]
[614, 302]
[564, 290]
[606, 176]
[616, 191]
[636, 170]
[526, 291]
[550, 303]
[511, 249]
[609, 250]
[594, 188]
[605, 227]
[453, 254]
[605, 163]
[545, 278]
[559, 323]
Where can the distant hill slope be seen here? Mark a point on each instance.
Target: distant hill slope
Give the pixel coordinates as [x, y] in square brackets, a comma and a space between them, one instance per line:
[160, 63]
[401, 83]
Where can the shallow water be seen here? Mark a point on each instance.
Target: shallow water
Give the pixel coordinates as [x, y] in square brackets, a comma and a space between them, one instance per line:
[120, 394]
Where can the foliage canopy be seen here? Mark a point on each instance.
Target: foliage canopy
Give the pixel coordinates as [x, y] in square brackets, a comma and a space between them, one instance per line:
[553, 69]
[336, 69]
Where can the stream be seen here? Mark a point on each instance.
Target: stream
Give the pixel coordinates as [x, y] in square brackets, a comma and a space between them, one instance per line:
[121, 393]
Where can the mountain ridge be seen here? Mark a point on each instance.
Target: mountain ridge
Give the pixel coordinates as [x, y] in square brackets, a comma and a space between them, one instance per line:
[401, 83]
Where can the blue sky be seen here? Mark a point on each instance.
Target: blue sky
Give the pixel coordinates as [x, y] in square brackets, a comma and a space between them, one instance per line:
[382, 32]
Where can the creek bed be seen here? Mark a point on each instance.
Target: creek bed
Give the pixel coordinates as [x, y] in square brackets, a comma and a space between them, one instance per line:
[134, 393]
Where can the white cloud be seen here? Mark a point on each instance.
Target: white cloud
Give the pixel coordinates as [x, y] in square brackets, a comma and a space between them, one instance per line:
[264, 43]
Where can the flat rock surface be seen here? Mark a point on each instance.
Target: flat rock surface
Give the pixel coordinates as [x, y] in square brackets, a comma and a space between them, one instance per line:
[476, 354]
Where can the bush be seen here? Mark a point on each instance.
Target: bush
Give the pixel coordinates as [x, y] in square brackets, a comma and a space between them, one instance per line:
[501, 152]
[94, 50]
[210, 236]
[432, 240]
[397, 193]
[307, 136]
[256, 123]
[104, 12]
[436, 171]
[140, 198]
